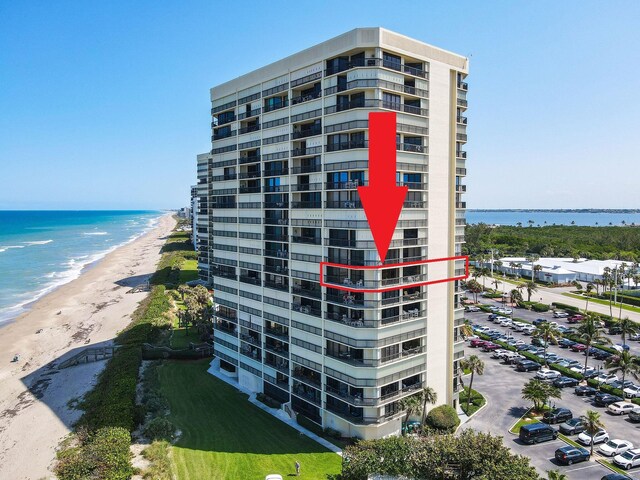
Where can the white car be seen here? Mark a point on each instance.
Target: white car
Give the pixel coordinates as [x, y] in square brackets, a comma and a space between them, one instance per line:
[528, 329]
[628, 459]
[582, 371]
[606, 378]
[545, 374]
[560, 314]
[621, 408]
[505, 311]
[632, 392]
[483, 329]
[472, 308]
[599, 437]
[499, 353]
[615, 447]
[518, 326]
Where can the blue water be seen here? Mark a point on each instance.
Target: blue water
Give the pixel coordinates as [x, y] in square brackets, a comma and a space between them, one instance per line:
[41, 250]
[542, 218]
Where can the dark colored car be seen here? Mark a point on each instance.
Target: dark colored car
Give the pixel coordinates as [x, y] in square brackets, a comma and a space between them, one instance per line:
[602, 355]
[538, 321]
[592, 351]
[578, 347]
[572, 427]
[563, 382]
[493, 316]
[602, 399]
[618, 384]
[585, 391]
[489, 347]
[522, 347]
[566, 343]
[591, 373]
[615, 476]
[614, 330]
[476, 342]
[557, 415]
[569, 455]
[528, 366]
[536, 433]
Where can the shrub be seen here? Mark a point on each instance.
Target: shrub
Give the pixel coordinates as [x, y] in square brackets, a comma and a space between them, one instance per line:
[443, 418]
[104, 455]
[564, 306]
[540, 307]
[158, 454]
[160, 428]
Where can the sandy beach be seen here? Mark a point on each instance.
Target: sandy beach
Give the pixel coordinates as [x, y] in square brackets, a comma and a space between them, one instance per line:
[89, 311]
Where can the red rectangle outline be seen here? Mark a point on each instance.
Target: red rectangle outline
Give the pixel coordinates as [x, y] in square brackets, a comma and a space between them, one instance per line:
[392, 265]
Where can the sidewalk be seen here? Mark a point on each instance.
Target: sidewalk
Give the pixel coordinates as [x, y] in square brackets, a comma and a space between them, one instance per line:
[550, 295]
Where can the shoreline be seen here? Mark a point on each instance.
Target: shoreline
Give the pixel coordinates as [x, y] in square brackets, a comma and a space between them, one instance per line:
[88, 311]
[25, 306]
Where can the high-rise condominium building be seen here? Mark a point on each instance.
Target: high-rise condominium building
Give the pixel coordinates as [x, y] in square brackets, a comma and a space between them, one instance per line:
[278, 195]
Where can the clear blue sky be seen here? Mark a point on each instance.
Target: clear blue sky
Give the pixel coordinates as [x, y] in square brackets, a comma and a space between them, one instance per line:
[106, 104]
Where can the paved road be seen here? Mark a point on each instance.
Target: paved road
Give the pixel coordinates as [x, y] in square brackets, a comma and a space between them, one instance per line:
[501, 385]
[550, 295]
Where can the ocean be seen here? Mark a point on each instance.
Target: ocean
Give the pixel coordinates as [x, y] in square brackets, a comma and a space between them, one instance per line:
[549, 217]
[41, 250]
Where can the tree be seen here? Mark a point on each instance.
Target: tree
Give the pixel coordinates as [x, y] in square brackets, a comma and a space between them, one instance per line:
[536, 269]
[429, 395]
[590, 333]
[627, 327]
[411, 404]
[183, 290]
[538, 392]
[556, 475]
[516, 296]
[474, 365]
[624, 363]
[549, 333]
[533, 258]
[589, 289]
[495, 283]
[474, 287]
[531, 287]
[592, 424]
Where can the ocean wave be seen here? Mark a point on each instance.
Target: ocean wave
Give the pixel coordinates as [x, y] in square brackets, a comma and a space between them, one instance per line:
[4, 249]
[38, 242]
[95, 233]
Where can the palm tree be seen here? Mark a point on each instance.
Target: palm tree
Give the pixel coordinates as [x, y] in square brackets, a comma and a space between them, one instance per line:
[550, 333]
[411, 404]
[474, 365]
[516, 296]
[589, 289]
[512, 266]
[183, 290]
[556, 475]
[627, 327]
[429, 395]
[531, 287]
[495, 284]
[474, 287]
[590, 333]
[532, 259]
[534, 391]
[592, 424]
[624, 363]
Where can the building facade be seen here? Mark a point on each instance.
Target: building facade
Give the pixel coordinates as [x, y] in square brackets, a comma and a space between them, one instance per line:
[277, 195]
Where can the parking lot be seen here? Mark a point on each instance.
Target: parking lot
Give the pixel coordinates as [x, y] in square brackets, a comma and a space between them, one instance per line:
[501, 384]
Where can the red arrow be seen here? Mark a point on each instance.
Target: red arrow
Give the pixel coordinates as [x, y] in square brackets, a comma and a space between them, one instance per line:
[382, 199]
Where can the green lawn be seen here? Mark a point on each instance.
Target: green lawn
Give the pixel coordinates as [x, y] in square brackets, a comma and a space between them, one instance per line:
[616, 306]
[224, 436]
[180, 339]
[188, 271]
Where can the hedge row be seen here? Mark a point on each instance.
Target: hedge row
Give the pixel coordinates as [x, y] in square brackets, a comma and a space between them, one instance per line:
[629, 300]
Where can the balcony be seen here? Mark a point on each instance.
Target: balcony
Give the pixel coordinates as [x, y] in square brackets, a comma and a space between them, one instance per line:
[400, 107]
[350, 185]
[412, 147]
[308, 204]
[307, 376]
[276, 238]
[406, 389]
[276, 106]
[275, 253]
[461, 119]
[273, 172]
[461, 204]
[461, 154]
[249, 159]
[375, 62]
[249, 189]
[225, 205]
[461, 188]
[253, 113]
[225, 134]
[276, 269]
[307, 310]
[415, 204]
[276, 205]
[276, 188]
[302, 152]
[251, 280]
[276, 286]
[277, 348]
[306, 169]
[250, 339]
[251, 128]
[307, 292]
[307, 132]
[306, 98]
[406, 280]
[461, 102]
[463, 86]
[351, 356]
[277, 363]
[245, 175]
[306, 240]
[276, 221]
[461, 137]
[334, 147]
[280, 333]
[354, 399]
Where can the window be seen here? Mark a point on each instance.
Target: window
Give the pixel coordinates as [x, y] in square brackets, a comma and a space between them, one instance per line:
[389, 100]
[391, 61]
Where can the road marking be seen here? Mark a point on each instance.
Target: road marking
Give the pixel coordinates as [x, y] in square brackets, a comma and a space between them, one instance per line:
[584, 468]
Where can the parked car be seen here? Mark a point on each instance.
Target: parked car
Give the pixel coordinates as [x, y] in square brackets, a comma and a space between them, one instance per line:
[499, 353]
[545, 374]
[489, 347]
[528, 366]
[472, 308]
[563, 382]
[522, 347]
[621, 386]
[505, 311]
[614, 330]
[539, 342]
[634, 336]
[606, 378]
[538, 321]
[513, 357]
[584, 391]
[589, 372]
[492, 316]
[569, 455]
[615, 447]
[567, 363]
[632, 392]
[615, 476]
[528, 330]
[621, 347]
[566, 343]
[600, 436]
[536, 433]
[493, 308]
[634, 415]
[557, 415]
[602, 399]
[477, 343]
[621, 408]
[572, 426]
[628, 459]
[602, 355]
[578, 347]
[575, 318]
[551, 357]
[558, 314]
